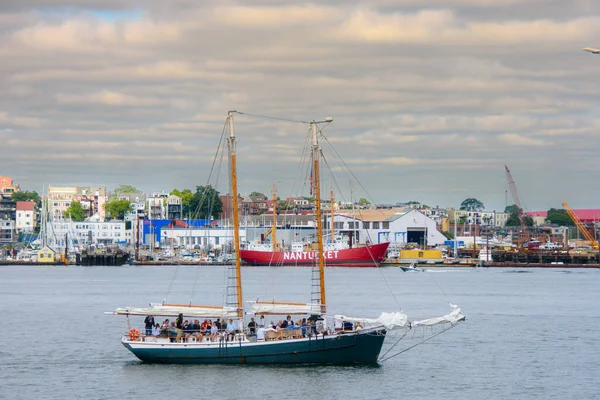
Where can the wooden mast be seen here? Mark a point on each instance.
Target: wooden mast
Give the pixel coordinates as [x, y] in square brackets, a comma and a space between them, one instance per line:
[332, 215]
[274, 227]
[231, 144]
[316, 180]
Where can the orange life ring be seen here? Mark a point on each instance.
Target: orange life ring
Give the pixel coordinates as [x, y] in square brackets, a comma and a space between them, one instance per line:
[134, 334]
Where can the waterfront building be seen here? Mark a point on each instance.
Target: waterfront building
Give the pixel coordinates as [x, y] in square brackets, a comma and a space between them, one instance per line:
[7, 186]
[399, 226]
[25, 216]
[46, 255]
[155, 205]
[86, 233]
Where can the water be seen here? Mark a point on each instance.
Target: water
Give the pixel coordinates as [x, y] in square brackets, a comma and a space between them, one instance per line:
[529, 334]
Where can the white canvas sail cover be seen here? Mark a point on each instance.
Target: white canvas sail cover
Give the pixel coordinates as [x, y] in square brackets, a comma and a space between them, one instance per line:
[398, 320]
[279, 308]
[394, 320]
[454, 317]
[175, 310]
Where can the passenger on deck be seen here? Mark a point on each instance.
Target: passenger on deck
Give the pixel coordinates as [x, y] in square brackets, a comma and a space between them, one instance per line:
[252, 326]
[149, 323]
[156, 331]
[261, 322]
[303, 325]
[179, 327]
[231, 329]
[214, 331]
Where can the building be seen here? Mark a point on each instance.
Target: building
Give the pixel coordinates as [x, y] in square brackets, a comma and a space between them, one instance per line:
[26, 216]
[81, 234]
[92, 200]
[7, 231]
[399, 226]
[174, 207]
[46, 255]
[155, 207]
[487, 218]
[7, 186]
[587, 216]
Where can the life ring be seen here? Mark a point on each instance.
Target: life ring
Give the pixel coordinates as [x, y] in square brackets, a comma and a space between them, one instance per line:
[134, 334]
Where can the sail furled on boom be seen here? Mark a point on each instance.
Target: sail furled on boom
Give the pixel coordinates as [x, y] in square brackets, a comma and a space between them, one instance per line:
[175, 310]
[280, 308]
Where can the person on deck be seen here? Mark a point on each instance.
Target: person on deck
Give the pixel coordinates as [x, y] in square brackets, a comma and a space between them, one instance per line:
[252, 326]
[179, 326]
[156, 331]
[261, 322]
[149, 323]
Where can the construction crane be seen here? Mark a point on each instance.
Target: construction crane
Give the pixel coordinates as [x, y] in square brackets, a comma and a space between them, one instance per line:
[515, 196]
[588, 236]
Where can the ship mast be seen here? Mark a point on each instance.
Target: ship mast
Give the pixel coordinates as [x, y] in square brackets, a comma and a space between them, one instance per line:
[274, 228]
[316, 150]
[231, 145]
[332, 214]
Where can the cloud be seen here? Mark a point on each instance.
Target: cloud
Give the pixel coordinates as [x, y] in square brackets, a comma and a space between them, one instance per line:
[445, 92]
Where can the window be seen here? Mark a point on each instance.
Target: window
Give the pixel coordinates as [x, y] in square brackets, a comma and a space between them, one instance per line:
[385, 225]
[376, 225]
[367, 225]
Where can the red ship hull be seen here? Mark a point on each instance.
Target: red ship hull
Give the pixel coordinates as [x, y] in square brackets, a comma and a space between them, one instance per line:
[365, 256]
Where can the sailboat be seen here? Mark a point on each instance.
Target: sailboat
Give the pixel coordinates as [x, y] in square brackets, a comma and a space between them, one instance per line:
[356, 341]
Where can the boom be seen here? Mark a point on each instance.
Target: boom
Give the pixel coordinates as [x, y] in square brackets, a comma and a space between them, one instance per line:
[515, 195]
[580, 226]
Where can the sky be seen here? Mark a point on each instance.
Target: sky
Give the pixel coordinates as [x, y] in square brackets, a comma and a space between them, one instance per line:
[430, 99]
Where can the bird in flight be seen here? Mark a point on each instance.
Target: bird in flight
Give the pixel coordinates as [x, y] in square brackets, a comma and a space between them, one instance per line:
[591, 50]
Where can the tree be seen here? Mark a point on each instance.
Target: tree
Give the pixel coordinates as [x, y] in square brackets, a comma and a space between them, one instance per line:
[471, 204]
[513, 219]
[258, 194]
[124, 189]
[75, 211]
[364, 202]
[206, 203]
[26, 196]
[117, 209]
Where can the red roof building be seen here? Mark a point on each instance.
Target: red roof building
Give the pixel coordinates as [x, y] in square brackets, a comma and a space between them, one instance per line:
[588, 215]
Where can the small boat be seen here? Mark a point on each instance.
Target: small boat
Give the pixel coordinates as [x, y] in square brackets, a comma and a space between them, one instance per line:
[411, 267]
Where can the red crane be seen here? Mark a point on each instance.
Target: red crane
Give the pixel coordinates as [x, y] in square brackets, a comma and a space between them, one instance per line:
[515, 195]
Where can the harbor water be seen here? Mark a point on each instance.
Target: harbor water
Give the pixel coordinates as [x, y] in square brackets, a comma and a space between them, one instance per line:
[529, 334]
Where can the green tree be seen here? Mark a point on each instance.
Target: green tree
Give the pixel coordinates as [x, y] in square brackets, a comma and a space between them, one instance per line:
[559, 217]
[117, 209]
[364, 202]
[284, 205]
[75, 211]
[471, 204]
[206, 203]
[258, 194]
[124, 189]
[26, 196]
[513, 219]
[186, 197]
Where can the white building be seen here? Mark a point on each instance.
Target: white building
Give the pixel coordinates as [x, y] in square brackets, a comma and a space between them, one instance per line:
[89, 232]
[398, 226]
[195, 238]
[25, 220]
[485, 218]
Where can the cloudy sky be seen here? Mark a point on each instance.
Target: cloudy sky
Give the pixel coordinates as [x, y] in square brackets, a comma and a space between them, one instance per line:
[430, 98]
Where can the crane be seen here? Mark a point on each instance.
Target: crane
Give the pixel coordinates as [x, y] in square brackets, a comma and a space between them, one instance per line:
[515, 195]
[580, 226]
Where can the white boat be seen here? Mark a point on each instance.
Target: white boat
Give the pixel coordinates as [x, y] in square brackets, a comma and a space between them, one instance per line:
[411, 267]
